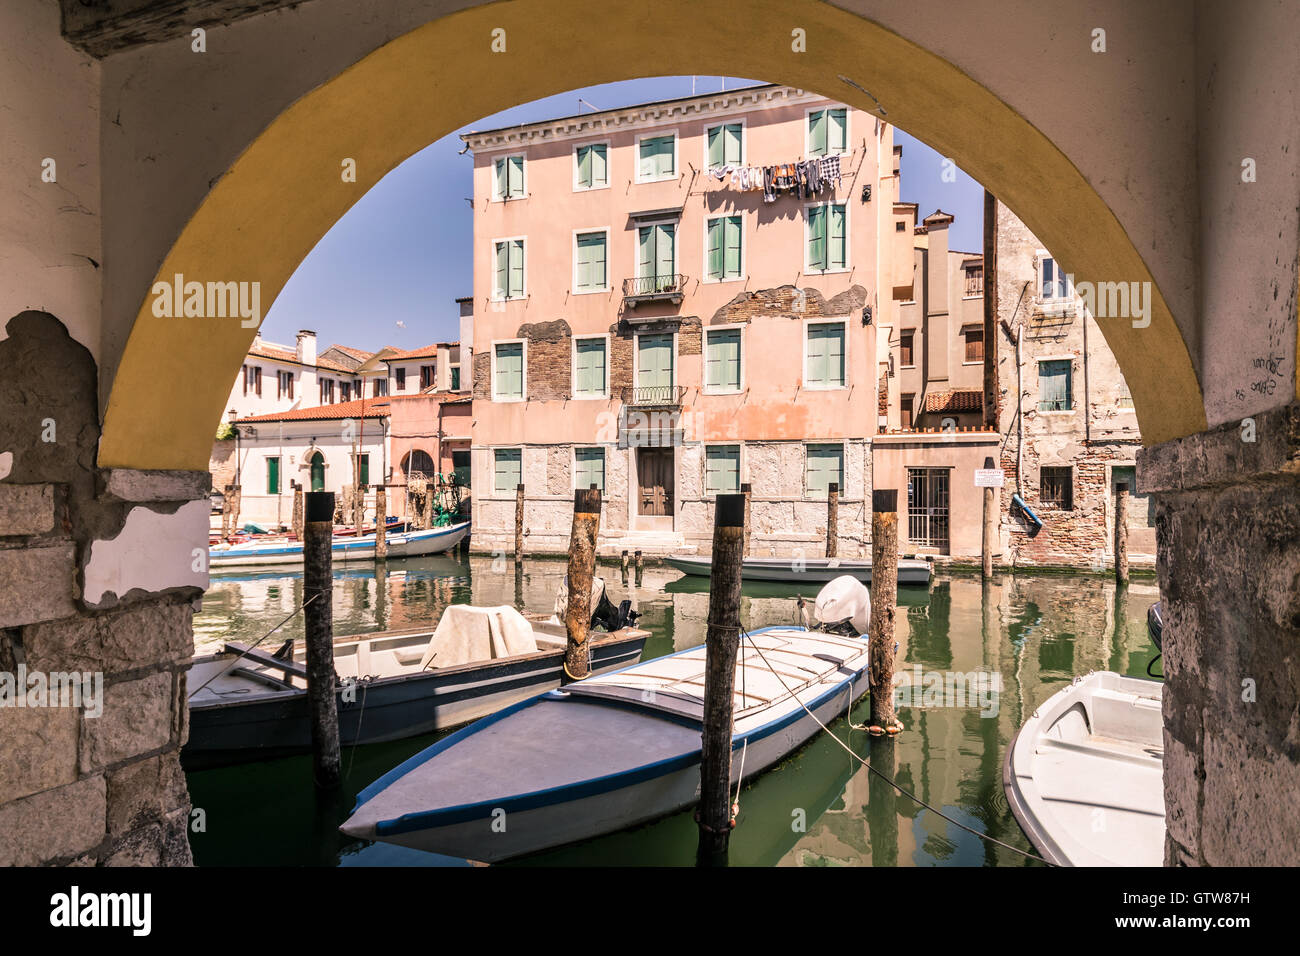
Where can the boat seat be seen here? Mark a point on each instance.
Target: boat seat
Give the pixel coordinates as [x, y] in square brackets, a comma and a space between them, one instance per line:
[408, 657]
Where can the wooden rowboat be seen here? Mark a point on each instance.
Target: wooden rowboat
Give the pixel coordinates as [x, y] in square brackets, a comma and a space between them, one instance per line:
[805, 570]
[355, 548]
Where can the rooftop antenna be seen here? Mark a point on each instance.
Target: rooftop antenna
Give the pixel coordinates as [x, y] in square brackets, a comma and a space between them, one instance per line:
[581, 101]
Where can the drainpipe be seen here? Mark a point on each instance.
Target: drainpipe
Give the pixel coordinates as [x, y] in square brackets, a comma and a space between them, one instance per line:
[1020, 410]
[1087, 405]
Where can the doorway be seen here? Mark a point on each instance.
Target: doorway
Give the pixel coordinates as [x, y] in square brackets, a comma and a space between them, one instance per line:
[927, 508]
[654, 468]
[317, 472]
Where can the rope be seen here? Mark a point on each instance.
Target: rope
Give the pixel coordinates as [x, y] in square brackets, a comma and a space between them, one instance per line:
[882, 776]
[255, 643]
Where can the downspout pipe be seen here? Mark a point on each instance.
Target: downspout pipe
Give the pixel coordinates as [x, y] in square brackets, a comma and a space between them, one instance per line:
[1029, 513]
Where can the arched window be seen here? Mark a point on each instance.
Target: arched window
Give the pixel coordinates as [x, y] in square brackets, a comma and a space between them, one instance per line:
[418, 463]
[317, 472]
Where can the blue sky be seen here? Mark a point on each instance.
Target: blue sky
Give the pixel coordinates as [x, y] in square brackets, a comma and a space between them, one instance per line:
[389, 271]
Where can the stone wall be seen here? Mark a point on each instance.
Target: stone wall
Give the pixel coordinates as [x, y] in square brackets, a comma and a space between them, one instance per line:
[95, 780]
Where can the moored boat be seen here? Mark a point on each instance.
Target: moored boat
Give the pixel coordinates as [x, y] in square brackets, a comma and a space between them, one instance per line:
[805, 570]
[610, 752]
[343, 549]
[1084, 776]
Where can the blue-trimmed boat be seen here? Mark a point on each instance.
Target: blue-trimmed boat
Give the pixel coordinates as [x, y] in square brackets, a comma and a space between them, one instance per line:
[608, 752]
[406, 544]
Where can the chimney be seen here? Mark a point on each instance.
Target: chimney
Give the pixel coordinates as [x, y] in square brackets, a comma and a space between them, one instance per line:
[306, 350]
[937, 321]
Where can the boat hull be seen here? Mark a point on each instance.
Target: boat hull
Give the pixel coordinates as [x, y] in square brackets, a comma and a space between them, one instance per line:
[805, 570]
[343, 550]
[277, 724]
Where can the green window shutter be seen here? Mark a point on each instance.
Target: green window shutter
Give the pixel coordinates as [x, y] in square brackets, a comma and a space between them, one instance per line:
[716, 231]
[591, 366]
[665, 165]
[591, 166]
[817, 133]
[722, 359]
[510, 370]
[665, 251]
[599, 166]
[645, 251]
[1054, 386]
[656, 157]
[817, 238]
[732, 140]
[584, 167]
[731, 261]
[501, 270]
[837, 253]
[455, 379]
[716, 146]
[826, 354]
[591, 260]
[825, 464]
[722, 469]
[516, 174]
[273, 476]
[589, 468]
[516, 268]
[837, 133]
[506, 470]
[365, 470]
[501, 185]
[654, 361]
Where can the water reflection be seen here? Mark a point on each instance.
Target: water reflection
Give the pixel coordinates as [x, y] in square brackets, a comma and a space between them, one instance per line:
[820, 807]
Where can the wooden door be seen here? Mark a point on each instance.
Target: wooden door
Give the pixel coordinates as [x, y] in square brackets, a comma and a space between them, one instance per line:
[655, 473]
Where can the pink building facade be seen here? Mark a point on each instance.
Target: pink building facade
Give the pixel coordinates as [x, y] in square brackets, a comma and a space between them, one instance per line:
[675, 300]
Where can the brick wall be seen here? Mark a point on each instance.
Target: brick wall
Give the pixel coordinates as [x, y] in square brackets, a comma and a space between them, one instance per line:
[549, 359]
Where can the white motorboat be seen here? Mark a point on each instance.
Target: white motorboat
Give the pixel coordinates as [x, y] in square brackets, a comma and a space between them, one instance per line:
[344, 548]
[1084, 777]
[613, 751]
[804, 570]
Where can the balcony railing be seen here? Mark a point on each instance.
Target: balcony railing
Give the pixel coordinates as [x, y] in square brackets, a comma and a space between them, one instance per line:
[653, 288]
[654, 396]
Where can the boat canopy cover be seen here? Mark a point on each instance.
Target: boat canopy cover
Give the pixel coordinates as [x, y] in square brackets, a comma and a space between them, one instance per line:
[467, 634]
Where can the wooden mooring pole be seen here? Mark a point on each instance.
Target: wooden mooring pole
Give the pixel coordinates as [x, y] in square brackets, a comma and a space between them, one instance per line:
[884, 599]
[640, 566]
[582, 567]
[986, 538]
[625, 559]
[519, 525]
[832, 520]
[297, 518]
[381, 523]
[318, 590]
[1121, 533]
[722, 643]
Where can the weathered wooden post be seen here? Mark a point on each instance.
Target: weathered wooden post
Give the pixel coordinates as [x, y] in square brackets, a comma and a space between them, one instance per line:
[227, 500]
[832, 520]
[747, 490]
[359, 505]
[986, 538]
[238, 491]
[722, 642]
[381, 523]
[318, 591]
[1121, 533]
[640, 566]
[297, 518]
[519, 525]
[582, 567]
[884, 599]
[625, 565]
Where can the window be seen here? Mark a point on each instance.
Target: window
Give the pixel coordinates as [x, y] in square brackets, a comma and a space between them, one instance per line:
[508, 278]
[273, 476]
[724, 248]
[905, 414]
[725, 145]
[257, 380]
[828, 132]
[589, 468]
[380, 388]
[722, 360]
[1054, 284]
[508, 373]
[657, 158]
[906, 357]
[427, 374]
[657, 256]
[401, 379]
[1124, 399]
[284, 385]
[592, 163]
[591, 273]
[828, 242]
[974, 280]
[419, 463]
[1054, 393]
[506, 475]
[509, 182]
[974, 336]
[365, 471]
[455, 378]
[824, 355]
[1056, 488]
[327, 391]
[825, 466]
[245, 371]
[722, 469]
[589, 368]
[345, 391]
[900, 227]
[654, 367]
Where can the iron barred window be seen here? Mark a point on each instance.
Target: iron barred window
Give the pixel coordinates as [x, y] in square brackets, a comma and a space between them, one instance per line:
[1056, 488]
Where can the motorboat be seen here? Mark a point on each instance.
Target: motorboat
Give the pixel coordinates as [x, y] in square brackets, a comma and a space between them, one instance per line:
[798, 570]
[344, 548]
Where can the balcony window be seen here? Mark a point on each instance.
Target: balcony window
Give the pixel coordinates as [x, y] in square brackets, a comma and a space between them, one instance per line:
[657, 257]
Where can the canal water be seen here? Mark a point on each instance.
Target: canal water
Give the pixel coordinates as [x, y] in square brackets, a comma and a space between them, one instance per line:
[975, 662]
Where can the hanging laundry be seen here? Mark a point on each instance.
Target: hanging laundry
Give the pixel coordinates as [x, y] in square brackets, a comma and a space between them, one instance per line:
[830, 169]
[815, 184]
[769, 184]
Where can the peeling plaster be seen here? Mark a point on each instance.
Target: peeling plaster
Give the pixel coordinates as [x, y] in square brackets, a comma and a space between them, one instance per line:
[153, 552]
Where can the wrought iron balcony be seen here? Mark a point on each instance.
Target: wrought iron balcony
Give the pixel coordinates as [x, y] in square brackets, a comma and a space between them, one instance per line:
[654, 396]
[654, 289]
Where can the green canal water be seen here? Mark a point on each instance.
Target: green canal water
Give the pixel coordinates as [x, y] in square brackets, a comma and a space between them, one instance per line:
[819, 807]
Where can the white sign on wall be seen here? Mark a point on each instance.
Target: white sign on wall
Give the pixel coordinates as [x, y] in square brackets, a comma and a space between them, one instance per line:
[989, 477]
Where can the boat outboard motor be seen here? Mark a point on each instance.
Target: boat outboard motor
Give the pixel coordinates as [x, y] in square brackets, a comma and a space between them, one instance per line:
[1156, 624]
[843, 606]
[608, 618]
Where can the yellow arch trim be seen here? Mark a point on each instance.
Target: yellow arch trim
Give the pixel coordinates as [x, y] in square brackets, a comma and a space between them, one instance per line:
[285, 191]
